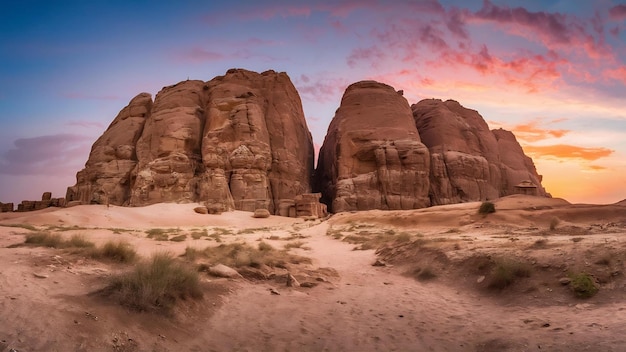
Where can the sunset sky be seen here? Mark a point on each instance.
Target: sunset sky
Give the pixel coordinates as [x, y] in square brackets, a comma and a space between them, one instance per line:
[553, 72]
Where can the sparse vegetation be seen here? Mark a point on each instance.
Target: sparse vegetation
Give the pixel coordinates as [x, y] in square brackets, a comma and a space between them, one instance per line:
[156, 284]
[197, 234]
[425, 274]
[160, 234]
[486, 208]
[583, 285]
[296, 244]
[21, 226]
[554, 222]
[119, 251]
[252, 230]
[242, 254]
[506, 271]
[179, 238]
[79, 241]
[45, 239]
[577, 239]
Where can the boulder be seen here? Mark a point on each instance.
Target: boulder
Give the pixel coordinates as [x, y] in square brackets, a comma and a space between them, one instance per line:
[372, 156]
[261, 214]
[221, 270]
[201, 210]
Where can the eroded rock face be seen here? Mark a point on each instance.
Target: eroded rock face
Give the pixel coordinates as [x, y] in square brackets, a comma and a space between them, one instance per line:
[372, 157]
[106, 176]
[468, 161]
[239, 141]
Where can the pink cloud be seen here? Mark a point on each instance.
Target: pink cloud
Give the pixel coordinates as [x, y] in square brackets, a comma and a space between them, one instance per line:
[373, 55]
[618, 74]
[46, 155]
[84, 96]
[85, 124]
[323, 88]
[552, 29]
[198, 55]
[618, 12]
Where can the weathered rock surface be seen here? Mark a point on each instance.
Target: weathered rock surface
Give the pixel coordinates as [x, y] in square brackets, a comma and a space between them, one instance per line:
[468, 161]
[239, 141]
[45, 202]
[106, 176]
[372, 157]
[6, 207]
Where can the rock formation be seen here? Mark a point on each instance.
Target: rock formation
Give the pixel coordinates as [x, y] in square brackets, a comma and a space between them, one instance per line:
[372, 157]
[6, 207]
[468, 161]
[239, 141]
[45, 202]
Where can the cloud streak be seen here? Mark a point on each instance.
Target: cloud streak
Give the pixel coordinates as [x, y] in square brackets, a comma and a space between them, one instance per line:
[564, 151]
[46, 155]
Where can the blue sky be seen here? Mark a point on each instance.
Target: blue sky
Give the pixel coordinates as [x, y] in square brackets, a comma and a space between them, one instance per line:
[554, 72]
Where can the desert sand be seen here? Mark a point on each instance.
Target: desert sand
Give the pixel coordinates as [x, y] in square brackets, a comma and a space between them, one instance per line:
[49, 297]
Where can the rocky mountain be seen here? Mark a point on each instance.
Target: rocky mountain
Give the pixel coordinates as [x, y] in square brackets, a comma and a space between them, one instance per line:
[372, 157]
[238, 141]
[381, 154]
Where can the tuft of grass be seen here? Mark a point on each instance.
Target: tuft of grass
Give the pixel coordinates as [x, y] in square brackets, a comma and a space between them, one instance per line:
[506, 272]
[577, 239]
[21, 226]
[45, 239]
[179, 238]
[119, 251]
[241, 254]
[425, 274]
[65, 228]
[486, 208]
[539, 244]
[197, 234]
[79, 241]
[156, 284]
[296, 244]
[252, 230]
[583, 285]
[554, 222]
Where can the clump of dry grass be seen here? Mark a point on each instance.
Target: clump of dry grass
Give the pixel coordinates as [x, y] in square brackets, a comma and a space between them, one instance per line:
[583, 285]
[44, 239]
[21, 226]
[241, 254]
[156, 284]
[554, 222]
[506, 272]
[486, 208]
[118, 251]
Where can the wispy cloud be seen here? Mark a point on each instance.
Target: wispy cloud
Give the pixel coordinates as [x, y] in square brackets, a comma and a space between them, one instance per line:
[533, 132]
[85, 124]
[618, 12]
[85, 96]
[46, 155]
[564, 151]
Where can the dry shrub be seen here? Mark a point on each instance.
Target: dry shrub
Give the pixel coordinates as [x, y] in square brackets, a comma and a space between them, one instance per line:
[241, 254]
[554, 222]
[486, 208]
[179, 238]
[506, 272]
[155, 284]
[119, 251]
[44, 239]
[79, 241]
[425, 274]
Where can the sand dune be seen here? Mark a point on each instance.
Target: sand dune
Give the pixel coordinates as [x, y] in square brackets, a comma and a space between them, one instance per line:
[48, 301]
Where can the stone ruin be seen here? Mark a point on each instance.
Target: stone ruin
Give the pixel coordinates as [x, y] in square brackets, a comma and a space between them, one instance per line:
[45, 202]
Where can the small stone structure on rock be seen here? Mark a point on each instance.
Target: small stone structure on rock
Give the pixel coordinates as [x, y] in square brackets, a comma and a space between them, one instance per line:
[526, 187]
[45, 202]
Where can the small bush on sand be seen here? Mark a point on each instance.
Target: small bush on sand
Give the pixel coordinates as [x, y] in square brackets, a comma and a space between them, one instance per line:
[156, 284]
[583, 285]
[486, 208]
[554, 222]
[506, 272]
[119, 251]
[179, 238]
[241, 254]
[45, 239]
[425, 274]
[21, 226]
[79, 241]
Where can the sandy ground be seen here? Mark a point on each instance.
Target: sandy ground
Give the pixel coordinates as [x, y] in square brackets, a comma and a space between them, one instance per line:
[48, 300]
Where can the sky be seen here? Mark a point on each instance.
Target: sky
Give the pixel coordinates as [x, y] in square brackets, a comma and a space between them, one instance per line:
[553, 72]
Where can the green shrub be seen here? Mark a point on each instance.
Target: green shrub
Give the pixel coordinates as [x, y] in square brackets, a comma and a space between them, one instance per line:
[486, 208]
[156, 284]
[583, 285]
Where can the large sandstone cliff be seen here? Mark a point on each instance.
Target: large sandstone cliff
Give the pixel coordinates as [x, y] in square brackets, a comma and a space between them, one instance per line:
[468, 161]
[372, 157]
[239, 141]
[379, 154]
